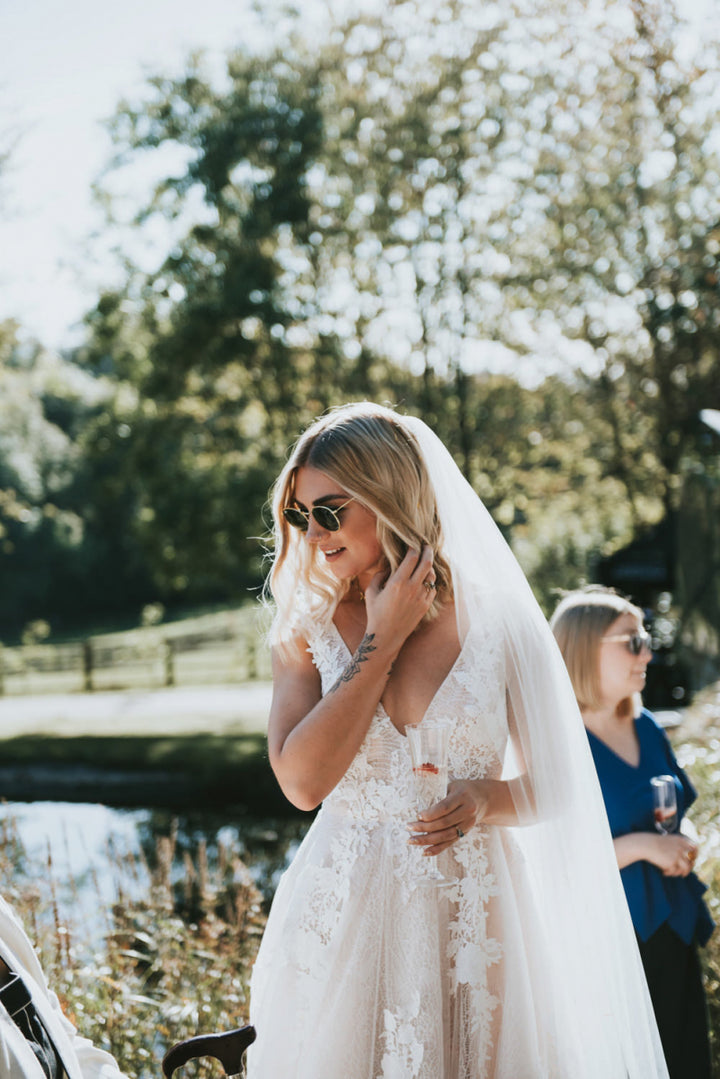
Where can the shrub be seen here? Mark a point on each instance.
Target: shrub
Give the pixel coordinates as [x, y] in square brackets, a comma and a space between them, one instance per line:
[174, 961]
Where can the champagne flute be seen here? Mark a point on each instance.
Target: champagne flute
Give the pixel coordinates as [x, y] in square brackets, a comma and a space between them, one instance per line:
[664, 804]
[429, 754]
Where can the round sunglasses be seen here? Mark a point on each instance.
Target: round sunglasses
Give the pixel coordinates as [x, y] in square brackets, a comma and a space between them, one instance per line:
[325, 516]
[634, 642]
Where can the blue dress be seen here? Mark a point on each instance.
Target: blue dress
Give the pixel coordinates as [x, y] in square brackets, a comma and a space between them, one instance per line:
[653, 898]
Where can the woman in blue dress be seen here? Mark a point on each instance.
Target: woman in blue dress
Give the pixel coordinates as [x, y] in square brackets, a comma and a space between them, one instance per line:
[607, 650]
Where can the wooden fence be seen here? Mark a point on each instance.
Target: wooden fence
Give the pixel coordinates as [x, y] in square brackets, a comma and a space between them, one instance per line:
[214, 650]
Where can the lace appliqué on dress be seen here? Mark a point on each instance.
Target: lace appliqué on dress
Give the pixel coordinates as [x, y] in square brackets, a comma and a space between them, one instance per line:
[377, 791]
[403, 1051]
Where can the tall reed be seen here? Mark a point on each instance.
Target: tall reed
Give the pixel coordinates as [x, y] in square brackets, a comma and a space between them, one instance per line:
[174, 956]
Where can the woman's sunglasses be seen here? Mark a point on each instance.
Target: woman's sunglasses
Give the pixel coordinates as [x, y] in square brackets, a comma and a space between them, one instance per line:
[634, 642]
[325, 516]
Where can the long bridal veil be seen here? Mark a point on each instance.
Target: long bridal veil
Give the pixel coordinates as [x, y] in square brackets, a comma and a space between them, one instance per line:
[580, 944]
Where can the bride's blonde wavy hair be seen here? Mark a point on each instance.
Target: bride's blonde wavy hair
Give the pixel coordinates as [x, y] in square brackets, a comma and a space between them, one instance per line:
[367, 450]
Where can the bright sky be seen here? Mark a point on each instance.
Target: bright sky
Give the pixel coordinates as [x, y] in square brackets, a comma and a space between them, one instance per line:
[63, 68]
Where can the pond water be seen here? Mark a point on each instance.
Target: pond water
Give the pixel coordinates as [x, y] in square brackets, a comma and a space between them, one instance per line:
[93, 853]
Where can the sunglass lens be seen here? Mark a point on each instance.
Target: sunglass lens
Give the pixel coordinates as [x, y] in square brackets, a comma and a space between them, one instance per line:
[295, 518]
[326, 518]
[638, 642]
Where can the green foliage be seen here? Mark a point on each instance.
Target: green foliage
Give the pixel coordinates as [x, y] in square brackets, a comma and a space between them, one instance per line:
[541, 461]
[548, 182]
[700, 754]
[46, 539]
[616, 240]
[175, 960]
[206, 769]
[218, 369]
[406, 199]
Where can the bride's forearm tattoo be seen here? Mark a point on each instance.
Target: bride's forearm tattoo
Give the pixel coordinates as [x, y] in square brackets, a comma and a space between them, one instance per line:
[363, 651]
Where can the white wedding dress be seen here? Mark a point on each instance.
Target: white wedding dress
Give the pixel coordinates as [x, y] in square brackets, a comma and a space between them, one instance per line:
[364, 975]
[528, 967]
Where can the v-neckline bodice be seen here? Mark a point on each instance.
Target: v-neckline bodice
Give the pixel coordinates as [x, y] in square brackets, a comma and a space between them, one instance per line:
[381, 707]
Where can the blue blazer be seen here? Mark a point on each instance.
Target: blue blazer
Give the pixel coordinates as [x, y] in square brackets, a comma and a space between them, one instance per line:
[653, 898]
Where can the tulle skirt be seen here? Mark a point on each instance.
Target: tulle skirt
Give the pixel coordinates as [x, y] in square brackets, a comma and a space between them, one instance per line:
[363, 974]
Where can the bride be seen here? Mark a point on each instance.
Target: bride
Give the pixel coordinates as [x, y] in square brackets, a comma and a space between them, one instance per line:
[398, 603]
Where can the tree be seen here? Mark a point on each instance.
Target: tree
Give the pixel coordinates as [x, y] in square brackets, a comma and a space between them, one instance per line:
[619, 239]
[540, 467]
[388, 207]
[546, 179]
[221, 354]
[49, 551]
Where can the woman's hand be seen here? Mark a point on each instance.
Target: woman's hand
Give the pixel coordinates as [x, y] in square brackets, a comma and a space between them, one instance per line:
[676, 855]
[443, 824]
[397, 604]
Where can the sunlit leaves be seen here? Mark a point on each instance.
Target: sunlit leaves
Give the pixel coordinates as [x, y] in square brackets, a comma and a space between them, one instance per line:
[437, 189]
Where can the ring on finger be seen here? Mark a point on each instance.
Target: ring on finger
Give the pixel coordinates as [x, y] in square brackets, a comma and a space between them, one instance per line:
[459, 831]
[429, 585]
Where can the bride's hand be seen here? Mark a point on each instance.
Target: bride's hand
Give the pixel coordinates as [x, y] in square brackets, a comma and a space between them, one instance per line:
[396, 604]
[452, 818]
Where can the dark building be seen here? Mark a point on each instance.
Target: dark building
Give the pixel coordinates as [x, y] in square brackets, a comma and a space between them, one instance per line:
[672, 571]
[645, 571]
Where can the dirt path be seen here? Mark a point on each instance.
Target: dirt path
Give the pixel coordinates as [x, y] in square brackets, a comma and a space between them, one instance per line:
[181, 710]
[220, 709]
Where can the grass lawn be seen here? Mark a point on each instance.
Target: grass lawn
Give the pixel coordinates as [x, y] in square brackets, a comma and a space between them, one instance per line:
[172, 771]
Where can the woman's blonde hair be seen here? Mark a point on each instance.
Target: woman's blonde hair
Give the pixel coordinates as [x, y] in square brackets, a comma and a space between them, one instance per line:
[367, 450]
[580, 621]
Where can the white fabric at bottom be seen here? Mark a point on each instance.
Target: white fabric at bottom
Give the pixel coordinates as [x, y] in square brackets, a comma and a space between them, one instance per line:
[364, 975]
[81, 1059]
